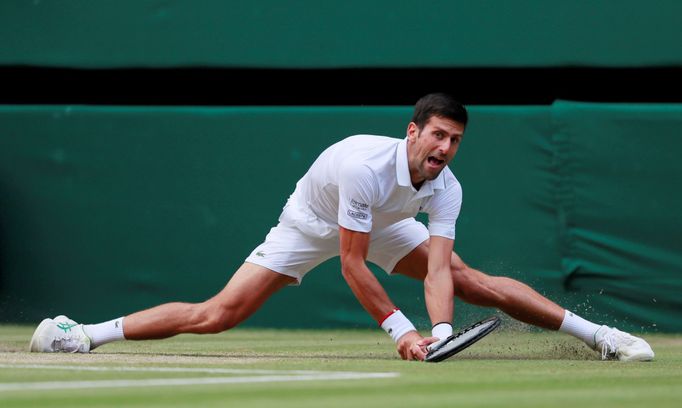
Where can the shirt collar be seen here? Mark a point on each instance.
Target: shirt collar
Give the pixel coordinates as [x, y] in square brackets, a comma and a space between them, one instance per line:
[402, 169]
[403, 173]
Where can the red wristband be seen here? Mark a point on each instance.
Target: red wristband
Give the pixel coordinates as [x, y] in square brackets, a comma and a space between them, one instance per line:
[388, 315]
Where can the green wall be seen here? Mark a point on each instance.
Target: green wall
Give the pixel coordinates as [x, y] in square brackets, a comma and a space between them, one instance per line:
[106, 210]
[351, 33]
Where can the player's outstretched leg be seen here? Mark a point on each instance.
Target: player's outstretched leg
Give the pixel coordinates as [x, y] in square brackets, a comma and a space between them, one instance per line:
[246, 291]
[523, 303]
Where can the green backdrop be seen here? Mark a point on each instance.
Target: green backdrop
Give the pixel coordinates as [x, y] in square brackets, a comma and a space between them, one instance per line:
[337, 34]
[106, 210]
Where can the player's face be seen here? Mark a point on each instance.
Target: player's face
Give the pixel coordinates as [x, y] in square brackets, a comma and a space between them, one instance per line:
[430, 149]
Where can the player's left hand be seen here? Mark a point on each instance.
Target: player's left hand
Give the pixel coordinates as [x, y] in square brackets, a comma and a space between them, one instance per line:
[420, 348]
[412, 346]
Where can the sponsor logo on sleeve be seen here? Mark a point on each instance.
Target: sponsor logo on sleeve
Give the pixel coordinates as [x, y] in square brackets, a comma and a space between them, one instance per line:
[357, 214]
[358, 211]
[358, 206]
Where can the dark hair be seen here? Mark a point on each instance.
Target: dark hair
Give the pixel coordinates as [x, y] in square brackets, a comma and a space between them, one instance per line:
[438, 104]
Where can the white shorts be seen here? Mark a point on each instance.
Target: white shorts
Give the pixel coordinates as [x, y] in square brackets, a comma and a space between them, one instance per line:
[289, 251]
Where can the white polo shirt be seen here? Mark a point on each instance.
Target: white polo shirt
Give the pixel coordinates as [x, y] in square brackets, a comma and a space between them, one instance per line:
[363, 184]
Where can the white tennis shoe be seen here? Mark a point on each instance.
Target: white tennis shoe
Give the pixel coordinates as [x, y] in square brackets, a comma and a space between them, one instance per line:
[617, 345]
[60, 334]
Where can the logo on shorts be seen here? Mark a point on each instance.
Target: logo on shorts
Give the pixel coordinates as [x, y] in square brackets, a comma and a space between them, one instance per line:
[357, 214]
[261, 254]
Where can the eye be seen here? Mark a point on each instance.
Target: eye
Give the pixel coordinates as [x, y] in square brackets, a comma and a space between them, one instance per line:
[439, 135]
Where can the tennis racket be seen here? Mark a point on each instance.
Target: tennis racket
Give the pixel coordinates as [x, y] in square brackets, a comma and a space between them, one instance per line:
[452, 345]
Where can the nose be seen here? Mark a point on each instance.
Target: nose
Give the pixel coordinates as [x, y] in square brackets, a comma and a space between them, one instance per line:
[444, 146]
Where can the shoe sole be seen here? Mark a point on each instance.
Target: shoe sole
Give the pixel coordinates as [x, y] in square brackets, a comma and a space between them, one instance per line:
[638, 357]
[35, 340]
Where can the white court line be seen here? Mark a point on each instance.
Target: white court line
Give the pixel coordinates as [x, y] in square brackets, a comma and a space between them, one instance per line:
[163, 369]
[275, 376]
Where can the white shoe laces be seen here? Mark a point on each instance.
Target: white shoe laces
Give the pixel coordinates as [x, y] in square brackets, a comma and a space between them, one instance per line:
[612, 340]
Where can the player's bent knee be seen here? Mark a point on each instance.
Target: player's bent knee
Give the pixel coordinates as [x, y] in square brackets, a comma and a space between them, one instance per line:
[464, 285]
[213, 319]
[461, 278]
[222, 320]
[474, 287]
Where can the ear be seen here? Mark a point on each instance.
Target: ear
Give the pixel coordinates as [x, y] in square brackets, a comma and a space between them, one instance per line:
[412, 132]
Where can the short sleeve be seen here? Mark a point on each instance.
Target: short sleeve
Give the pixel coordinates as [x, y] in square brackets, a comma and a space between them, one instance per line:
[358, 189]
[443, 209]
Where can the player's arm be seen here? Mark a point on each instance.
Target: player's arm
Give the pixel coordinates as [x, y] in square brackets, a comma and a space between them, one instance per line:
[372, 296]
[443, 210]
[363, 283]
[438, 286]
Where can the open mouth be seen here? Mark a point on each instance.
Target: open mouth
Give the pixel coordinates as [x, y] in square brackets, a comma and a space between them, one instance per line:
[434, 161]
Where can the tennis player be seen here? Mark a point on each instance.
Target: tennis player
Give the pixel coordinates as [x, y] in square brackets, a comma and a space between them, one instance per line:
[358, 201]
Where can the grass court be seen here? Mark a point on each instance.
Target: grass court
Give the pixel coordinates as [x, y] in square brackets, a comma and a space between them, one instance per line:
[335, 368]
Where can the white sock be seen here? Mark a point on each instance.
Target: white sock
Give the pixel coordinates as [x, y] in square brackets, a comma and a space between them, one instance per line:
[104, 333]
[579, 327]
